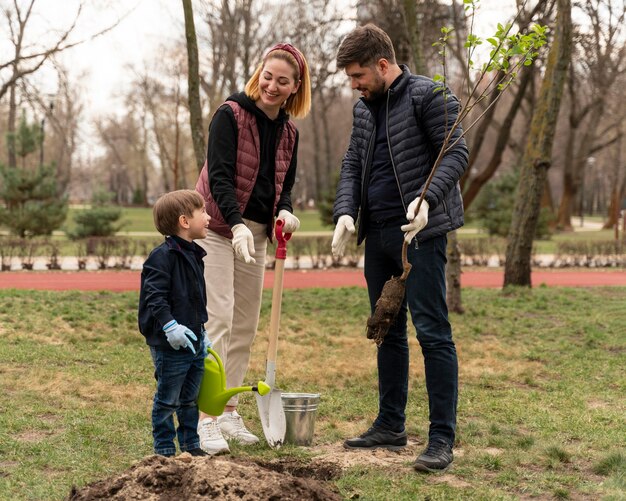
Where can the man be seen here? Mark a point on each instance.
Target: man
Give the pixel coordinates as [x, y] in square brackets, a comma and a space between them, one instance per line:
[399, 125]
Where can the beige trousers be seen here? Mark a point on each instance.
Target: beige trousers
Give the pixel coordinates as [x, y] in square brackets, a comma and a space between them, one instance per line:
[234, 290]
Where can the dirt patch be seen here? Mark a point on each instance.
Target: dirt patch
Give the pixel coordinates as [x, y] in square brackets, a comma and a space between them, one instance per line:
[157, 478]
[451, 480]
[34, 436]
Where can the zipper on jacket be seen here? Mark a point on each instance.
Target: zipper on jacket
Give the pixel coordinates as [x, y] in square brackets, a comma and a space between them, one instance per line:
[370, 147]
[393, 164]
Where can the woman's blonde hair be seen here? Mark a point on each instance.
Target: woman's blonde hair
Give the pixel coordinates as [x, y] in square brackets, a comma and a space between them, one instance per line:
[298, 104]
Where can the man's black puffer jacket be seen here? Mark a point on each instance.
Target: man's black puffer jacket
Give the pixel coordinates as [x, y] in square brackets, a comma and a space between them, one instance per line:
[416, 120]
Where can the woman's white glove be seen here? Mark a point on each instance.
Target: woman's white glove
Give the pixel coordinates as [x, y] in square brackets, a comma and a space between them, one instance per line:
[243, 243]
[292, 223]
[343, 230]
[416, 222]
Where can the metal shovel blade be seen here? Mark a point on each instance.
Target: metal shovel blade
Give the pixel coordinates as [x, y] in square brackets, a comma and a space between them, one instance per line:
[271, 412]
[272, 417]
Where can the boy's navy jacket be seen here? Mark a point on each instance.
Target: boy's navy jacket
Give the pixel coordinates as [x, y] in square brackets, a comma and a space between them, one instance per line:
[172, 287]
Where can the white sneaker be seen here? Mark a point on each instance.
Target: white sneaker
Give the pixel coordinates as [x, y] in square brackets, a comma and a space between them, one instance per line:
[232, 427]
[211, 440]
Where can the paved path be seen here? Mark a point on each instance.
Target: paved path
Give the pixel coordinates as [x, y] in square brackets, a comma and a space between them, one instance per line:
[129, 280]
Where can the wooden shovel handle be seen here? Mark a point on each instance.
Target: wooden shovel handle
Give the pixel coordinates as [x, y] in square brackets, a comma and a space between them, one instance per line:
[277, 296]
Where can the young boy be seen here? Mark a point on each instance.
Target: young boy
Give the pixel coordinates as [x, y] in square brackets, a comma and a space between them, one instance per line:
[172, 312]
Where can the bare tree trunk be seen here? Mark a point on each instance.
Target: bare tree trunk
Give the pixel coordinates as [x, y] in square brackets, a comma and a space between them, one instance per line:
[618, 193]
[538, 153]
[546, 198]
[176, 166]
[144, 156]
[415, 35]
[328, 164]
[193, 84]
[453, 275]
[11, 128]
[317, 169]
[502, 140]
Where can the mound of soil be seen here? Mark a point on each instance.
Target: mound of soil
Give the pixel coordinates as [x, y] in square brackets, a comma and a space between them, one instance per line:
[223, 477]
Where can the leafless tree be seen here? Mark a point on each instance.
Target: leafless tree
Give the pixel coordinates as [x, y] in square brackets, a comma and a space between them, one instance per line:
[538, 153]
[229, 46]
[29, 54]
[164, 103]
[193, 86]
[598, 60]
[61, 113]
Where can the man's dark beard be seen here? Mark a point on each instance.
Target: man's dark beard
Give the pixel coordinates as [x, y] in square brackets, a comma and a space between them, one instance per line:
[377, 93]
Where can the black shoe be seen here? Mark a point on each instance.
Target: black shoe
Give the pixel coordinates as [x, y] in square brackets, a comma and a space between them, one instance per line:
[165, 455]
[378, 438]
[437, 457]
[198, 452]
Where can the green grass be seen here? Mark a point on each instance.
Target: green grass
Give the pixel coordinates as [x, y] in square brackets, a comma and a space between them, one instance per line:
[541, 405]
[139, 219]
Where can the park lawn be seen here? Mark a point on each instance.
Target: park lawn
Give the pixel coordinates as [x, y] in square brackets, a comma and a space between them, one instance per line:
[139, 220]
[541, 404]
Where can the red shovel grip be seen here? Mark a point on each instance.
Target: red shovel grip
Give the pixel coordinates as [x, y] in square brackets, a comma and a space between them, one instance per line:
[281, 238]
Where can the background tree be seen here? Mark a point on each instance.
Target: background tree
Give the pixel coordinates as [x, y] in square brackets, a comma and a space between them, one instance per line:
[537, 156]
[193, 86]
[598, 59]
[32, 202]
[99, 220]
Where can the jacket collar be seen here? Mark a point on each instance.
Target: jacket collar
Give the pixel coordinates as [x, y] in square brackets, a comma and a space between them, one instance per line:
[178, 244]
[400, 86]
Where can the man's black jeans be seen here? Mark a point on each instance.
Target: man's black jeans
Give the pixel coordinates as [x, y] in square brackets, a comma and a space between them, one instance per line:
[426, 299]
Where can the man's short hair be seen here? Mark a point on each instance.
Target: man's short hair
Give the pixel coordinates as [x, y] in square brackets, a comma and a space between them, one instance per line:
[365, 45]
[169, 207]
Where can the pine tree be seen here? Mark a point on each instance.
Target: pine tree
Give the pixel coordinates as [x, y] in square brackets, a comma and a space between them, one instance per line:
[32, 204]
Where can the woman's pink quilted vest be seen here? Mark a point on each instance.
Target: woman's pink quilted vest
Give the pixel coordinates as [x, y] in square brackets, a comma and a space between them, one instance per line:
[247, 168]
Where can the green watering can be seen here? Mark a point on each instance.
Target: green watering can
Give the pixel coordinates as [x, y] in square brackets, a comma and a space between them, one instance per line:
[213, 395]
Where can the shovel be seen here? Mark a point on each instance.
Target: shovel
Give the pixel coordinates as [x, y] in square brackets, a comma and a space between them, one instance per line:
[270, 405]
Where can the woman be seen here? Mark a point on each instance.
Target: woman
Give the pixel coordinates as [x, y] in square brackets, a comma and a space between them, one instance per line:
[246, 181]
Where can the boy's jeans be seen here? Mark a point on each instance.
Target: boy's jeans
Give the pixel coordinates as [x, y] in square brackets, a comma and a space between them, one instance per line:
[426, 295]
[178, 375]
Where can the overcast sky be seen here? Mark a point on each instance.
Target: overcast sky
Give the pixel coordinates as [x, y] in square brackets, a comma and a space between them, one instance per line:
[145, 26]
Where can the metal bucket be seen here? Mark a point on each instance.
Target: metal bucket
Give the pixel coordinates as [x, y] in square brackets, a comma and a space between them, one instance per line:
[300, 411]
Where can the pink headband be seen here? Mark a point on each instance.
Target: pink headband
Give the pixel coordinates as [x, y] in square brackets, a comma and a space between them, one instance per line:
[293, 51]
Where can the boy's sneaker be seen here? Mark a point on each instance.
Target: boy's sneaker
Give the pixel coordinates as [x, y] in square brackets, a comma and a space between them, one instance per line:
[198, 452]
[232, 427]
[211, 440]
[378, 438]
[437, 457]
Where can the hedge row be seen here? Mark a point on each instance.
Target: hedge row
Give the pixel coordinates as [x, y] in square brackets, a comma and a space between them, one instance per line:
[304, 252]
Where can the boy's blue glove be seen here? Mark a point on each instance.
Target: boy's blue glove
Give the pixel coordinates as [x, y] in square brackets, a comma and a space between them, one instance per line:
[207, 341]
[179, 336]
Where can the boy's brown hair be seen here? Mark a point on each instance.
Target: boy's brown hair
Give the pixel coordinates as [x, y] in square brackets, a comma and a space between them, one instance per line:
[169, 207]
[365, 45]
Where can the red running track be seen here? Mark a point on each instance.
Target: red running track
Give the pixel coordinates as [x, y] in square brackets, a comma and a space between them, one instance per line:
[118, 281]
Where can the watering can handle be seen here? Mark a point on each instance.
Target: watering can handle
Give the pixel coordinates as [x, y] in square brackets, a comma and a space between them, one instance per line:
[281, 238]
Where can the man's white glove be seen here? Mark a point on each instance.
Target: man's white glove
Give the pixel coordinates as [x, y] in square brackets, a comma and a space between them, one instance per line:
[243, 242]
[416, 221]
[292, 223]
[343, 230]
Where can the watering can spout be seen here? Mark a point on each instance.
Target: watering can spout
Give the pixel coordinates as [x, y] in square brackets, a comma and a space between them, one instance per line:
[213, 395]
